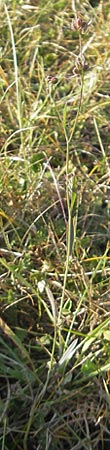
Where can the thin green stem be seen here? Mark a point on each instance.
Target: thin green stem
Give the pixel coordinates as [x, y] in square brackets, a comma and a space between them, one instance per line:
[15, 70]
[70, 211]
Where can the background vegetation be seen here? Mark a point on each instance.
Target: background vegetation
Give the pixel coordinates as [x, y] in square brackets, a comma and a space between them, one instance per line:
[54, 225]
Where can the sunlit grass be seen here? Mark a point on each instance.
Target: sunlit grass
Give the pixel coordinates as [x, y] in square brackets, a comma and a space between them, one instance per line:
[54, 225]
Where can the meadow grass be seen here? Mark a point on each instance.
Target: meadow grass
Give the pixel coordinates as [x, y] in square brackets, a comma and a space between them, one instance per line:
[54, 225]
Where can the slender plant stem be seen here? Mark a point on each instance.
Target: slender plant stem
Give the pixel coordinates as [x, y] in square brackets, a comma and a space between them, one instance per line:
[15, 67]
[70, 221]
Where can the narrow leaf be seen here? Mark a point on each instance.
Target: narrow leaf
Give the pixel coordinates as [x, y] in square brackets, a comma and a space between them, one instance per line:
[10, 333]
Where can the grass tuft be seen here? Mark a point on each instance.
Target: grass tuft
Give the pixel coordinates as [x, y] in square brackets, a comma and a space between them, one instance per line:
[54, 225]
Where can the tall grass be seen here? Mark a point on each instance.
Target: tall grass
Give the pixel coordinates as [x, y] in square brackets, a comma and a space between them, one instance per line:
[54, 225]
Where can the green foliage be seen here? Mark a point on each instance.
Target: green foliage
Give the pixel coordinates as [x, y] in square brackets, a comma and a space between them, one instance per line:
[36, 161]
[54, 224]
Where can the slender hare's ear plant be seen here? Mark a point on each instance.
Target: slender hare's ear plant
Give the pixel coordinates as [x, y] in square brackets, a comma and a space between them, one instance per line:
[71, 179]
